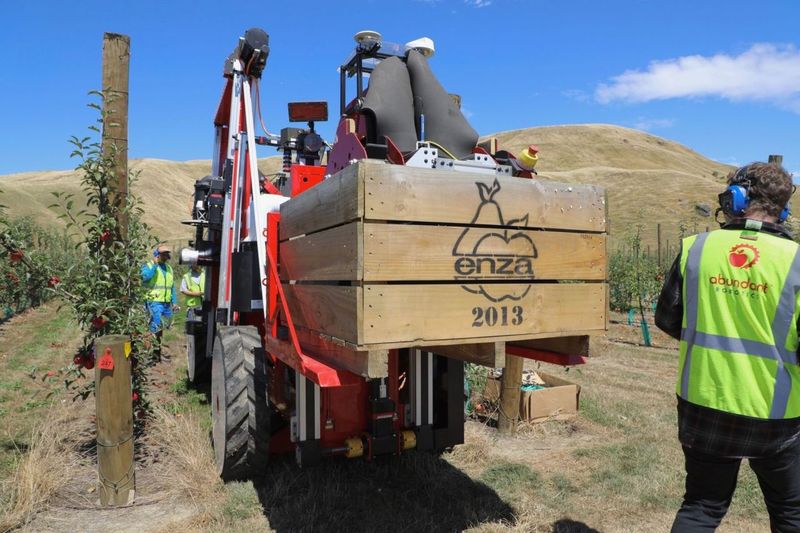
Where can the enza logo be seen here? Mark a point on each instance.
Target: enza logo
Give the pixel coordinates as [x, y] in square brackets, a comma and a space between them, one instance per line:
[743, 256]
[482, 253]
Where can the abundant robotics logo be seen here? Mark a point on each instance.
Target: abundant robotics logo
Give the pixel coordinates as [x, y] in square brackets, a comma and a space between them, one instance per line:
[476, 250]
[743, 255]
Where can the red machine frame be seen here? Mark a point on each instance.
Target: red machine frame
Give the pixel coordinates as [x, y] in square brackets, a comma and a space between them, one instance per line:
[326, 410]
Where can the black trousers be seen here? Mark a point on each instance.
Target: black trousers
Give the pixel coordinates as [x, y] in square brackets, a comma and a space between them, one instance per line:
[710, 482]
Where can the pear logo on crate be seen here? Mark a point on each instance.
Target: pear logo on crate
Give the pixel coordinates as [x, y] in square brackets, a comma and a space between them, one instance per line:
[491, 253]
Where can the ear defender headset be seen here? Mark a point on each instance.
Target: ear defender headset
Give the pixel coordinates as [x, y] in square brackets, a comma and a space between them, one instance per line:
[736, 198]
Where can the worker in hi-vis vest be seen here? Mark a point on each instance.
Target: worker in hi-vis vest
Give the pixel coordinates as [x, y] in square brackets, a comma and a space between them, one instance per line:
[732, 298]
[162, 300]
[193, 286]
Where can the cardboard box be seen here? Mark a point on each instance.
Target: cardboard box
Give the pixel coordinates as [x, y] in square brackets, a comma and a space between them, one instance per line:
[559, 397]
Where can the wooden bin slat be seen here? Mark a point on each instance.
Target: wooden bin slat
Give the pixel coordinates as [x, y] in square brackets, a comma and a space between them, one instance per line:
[371, 190]
[337, 200]
[401, 252]
[424, 313]
[330, 309]
[381, 316]
[329, 255]
[367, 363]
[405, 194]
[411, 252]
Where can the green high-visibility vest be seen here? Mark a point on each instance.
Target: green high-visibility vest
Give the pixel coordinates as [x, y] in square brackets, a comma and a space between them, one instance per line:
[195, 286]
[160, 285]
[738, 350]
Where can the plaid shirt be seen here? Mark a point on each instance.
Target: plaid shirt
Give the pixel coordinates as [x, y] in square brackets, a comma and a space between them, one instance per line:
[728, 435]
[712, 431]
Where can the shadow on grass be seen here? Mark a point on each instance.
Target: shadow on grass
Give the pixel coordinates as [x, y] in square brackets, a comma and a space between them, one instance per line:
[202, 390]
[565, 525]
[414, 492]
[12, 446]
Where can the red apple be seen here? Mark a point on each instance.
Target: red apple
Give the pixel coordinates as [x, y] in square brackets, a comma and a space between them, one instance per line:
[737, 259]
[135, 396]
[78, 360]
[53, 281]
[99, 321]
[88, 363]
[16, 256]
[105, 236]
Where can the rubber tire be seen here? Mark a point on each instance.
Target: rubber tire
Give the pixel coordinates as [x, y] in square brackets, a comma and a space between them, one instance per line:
[239, 407]
[198, 366]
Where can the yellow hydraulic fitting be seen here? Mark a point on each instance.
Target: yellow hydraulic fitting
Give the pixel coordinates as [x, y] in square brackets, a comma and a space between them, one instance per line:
[529, 157]
[409, 439]
[355, 447]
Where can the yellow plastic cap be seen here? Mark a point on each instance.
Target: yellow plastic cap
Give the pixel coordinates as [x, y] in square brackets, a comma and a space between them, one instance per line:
[355, 447]
[529, 156]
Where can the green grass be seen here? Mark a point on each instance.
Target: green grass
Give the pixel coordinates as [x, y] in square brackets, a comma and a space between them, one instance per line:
[563, 486]
[241, 502]
[10, 385]
[512, 481]
[639, 473]
[37, 350]
[240, 510]
[40, 341]
[634, 471]
[10, 453]
[176, 332]
[616, 415]
[747, 500]
[188, 397]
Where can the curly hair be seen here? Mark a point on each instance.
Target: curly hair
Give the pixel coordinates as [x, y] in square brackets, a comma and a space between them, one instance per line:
[770, 186]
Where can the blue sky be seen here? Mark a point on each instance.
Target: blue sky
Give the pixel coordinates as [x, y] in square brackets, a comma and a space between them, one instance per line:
[722, 77]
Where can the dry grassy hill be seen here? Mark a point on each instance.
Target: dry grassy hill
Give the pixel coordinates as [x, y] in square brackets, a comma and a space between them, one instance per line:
[649, 179]
[165, 187]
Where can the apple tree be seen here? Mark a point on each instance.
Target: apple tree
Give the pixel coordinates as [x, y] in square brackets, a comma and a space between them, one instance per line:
[101, 283]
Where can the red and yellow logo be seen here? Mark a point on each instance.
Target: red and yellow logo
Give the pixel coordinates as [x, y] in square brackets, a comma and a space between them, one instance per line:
[743, 255]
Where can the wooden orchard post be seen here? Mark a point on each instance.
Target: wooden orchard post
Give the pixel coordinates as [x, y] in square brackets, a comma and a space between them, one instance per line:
[509, 394]
[116, 482]
[658, 240]
[116, 60]
[775, 158]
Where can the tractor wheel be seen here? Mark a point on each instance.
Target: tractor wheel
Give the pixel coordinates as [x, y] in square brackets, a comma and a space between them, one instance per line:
[197, 364]
[239, 406]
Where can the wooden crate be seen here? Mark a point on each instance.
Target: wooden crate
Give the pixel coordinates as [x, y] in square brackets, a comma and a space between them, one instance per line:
[383, 256]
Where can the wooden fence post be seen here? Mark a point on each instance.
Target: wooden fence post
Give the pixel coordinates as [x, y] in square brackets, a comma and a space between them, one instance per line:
[509, 394]
[658, 239]
[116, 61]
[115, 469]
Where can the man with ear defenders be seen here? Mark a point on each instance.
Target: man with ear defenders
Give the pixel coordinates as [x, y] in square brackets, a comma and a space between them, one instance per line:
[732, 298]
[158, 278]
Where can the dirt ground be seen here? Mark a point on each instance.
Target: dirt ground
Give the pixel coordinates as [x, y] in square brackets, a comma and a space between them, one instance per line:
[615, 467]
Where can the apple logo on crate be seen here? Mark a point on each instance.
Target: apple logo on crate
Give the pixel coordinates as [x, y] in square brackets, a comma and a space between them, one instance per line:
[479, 251]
